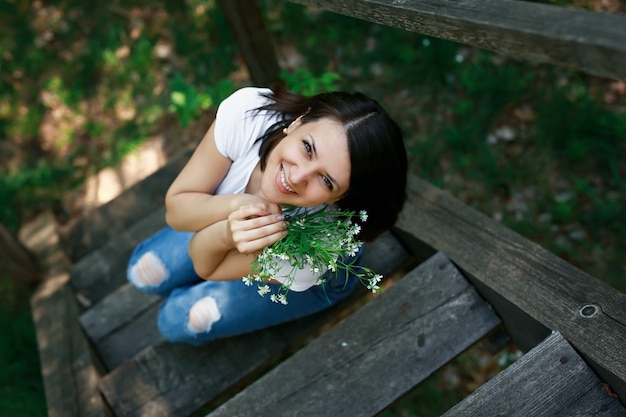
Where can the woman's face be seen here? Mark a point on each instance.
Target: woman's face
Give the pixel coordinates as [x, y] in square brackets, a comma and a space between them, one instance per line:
[308, 167]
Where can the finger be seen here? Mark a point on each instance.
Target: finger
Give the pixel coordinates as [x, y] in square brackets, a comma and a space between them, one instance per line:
[269, 207]
[257, 245]
[245, 212]
[239, 221]
[255, 229]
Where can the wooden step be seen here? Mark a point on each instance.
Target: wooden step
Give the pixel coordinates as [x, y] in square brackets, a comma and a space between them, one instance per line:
[104, 270]
[550, 380]
[96, 227]
[167, 379]
[376, 354]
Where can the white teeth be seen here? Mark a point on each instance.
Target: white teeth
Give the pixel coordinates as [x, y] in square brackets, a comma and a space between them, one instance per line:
[282, 180]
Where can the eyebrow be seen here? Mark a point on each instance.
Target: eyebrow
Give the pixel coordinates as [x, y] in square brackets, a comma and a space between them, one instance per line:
[315, 152]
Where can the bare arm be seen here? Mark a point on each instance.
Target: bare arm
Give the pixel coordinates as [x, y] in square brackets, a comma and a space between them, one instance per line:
[230, 229]
[226, 249]
[190, 201]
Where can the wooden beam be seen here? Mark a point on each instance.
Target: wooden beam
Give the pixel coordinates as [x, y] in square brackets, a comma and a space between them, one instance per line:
[508, 269]
[588, 41]
[550, 380]
[255, 45]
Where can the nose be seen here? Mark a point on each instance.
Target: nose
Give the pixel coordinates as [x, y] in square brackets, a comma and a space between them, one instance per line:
[301, 173]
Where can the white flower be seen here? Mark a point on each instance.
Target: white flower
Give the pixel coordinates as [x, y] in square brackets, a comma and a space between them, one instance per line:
[354, 230]
[328, 237]
[373, 281]
[373, 287]
[247, 280]
[263, 289]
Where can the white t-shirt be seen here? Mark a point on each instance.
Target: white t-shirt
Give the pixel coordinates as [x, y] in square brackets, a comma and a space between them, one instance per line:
[237, 127]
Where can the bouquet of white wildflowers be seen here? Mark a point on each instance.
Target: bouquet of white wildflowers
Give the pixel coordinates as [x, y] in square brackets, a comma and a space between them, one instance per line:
[316, 240]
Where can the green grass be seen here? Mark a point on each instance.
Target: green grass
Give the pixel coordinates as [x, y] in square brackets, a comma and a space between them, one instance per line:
[537, 147]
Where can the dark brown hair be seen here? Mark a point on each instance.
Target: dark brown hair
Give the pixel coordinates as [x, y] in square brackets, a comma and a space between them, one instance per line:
[377, 153]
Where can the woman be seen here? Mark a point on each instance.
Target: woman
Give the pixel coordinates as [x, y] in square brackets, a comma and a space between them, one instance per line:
[265, 149]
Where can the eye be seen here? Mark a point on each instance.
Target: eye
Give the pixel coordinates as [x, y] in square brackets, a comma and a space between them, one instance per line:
[328, 182]
[307, 147]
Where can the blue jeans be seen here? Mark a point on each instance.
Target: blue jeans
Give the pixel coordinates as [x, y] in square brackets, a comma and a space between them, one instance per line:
[196, 311]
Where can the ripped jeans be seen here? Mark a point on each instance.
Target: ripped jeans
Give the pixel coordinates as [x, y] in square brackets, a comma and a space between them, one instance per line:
[196, 311]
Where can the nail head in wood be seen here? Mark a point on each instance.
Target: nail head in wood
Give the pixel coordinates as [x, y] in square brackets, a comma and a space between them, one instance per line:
[588, 311]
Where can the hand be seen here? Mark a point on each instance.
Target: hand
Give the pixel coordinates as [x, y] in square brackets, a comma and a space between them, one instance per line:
[254, 227]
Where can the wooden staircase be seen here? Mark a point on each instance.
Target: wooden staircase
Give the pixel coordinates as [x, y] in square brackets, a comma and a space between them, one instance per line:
[102, 355]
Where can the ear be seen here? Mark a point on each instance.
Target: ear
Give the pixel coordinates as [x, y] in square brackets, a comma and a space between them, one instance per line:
[294, 125]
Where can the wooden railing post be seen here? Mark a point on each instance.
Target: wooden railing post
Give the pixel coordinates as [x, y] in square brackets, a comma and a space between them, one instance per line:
[255, 44]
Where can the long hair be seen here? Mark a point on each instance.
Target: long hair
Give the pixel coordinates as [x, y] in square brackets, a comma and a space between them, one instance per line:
[377, 154]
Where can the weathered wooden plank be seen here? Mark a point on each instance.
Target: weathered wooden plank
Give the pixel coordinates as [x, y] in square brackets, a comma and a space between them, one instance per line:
[100, 225]
[102, 271]
[69, 376]
[116, 311]
[519, 272]
[175, 380]
[589, 41]
[550, 380]
[257, 49]
[377, 353]
[167, 380]
[126, 341]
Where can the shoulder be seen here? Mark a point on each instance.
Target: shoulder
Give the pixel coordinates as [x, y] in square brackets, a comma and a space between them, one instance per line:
[238, 124]
[242, 101]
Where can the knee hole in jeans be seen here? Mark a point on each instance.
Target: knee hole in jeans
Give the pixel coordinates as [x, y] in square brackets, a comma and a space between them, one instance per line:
[203, 314]
[148, 271]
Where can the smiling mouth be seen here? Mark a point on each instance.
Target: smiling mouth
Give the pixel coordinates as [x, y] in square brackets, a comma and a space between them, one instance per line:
[283, 182]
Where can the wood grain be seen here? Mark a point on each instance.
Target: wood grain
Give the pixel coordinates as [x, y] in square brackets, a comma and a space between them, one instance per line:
[551, 380]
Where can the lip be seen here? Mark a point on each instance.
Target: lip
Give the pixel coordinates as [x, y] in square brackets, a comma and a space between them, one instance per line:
[281, 182]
